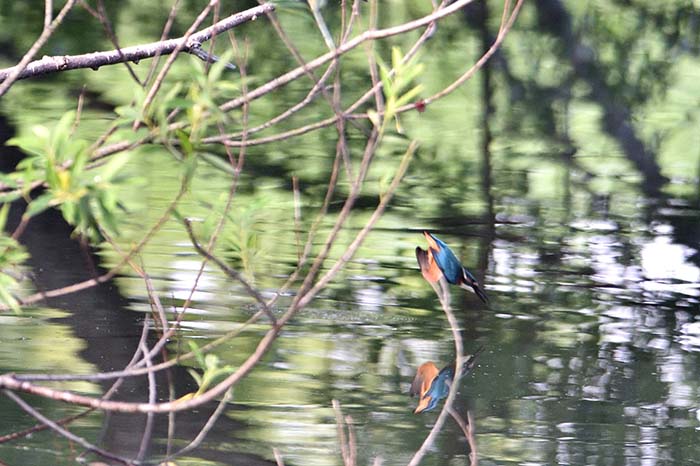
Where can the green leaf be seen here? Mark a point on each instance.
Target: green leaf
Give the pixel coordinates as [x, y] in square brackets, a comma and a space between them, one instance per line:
[107, 215]
[197, 353]
[217, 68]
[10, 196]
[9, 300]
[4, 211]
[218, 162]
[69, 212]
[114, 165]
[79, 161]
[61, 134]
[409, 96]
[185, 143]
[211, 361]
[386, 80]
[31, 145]
[396, 58]
[195, 375]
[39, 204]
[190, 166]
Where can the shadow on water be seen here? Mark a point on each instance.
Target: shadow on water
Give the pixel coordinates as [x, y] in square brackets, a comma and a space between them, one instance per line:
[109, 334]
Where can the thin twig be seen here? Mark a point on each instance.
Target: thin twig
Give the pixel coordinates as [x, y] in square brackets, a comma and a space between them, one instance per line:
[471, 438]
[148, 430]
[352, 441]
[62, 431]
[48, 13]
[155, 302]
[342, 439]
[101, 15]
[12, 74]
[172, 15]
[230, 272]
[278, 457]
[205, 428]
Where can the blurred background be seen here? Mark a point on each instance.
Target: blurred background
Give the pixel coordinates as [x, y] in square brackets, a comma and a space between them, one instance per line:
[565, 175]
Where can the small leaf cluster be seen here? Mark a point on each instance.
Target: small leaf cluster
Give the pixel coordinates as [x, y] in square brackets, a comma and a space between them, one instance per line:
[58, 160]
[213, 372]
[12, 254]
[395, 93]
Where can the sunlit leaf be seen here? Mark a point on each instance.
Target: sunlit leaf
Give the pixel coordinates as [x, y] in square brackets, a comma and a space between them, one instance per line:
[39, 204]
[218, 162]
[195, 375]
[4, 211]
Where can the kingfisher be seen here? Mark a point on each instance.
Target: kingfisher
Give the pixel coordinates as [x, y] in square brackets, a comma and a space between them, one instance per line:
[432, 385]
[439, 261]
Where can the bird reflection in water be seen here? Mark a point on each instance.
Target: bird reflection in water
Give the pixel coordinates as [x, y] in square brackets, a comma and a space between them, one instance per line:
[432, 385]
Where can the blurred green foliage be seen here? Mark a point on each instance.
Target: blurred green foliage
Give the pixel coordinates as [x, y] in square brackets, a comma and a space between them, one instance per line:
[12, 254]
[87, 199]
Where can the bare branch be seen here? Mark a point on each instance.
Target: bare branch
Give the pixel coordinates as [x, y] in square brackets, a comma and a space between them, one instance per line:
[278, 457]
[344, 48]
[62, 431]
[134, 54]
[148, 431]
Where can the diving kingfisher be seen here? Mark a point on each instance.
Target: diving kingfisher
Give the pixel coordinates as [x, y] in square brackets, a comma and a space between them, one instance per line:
[439, 261]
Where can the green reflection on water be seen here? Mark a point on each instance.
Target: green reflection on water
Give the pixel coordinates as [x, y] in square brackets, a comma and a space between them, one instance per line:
[583, 364]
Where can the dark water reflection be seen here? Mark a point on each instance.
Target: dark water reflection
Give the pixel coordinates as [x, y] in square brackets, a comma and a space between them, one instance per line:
[591, 344]
[591, 340]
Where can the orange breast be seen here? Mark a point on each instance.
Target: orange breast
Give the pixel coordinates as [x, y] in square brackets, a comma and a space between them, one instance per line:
[432, 272]
[421, 384]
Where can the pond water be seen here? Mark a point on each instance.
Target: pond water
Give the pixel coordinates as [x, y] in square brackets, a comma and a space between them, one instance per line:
[591, 336]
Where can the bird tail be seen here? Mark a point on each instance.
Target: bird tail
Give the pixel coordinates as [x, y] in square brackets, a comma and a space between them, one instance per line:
[469, 283]
[470, 363]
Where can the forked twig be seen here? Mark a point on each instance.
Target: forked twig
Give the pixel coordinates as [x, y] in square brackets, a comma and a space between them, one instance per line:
[230, 272]
[61, 430]
[348, 443]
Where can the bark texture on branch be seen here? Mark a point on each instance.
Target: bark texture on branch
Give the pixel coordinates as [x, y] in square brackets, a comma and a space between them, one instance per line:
[47, 65]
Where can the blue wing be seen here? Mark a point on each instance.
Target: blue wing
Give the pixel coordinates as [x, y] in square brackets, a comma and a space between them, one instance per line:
[440, 387]
[446, 261]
